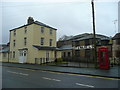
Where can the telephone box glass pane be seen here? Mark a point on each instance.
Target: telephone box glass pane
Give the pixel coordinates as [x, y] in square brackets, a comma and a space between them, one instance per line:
[103, 61]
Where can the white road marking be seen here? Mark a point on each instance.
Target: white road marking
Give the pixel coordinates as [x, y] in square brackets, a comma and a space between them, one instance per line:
[85, 85]
[23, 74]
[51, 79]
[18, 73]
[56, 80]
[46, 78]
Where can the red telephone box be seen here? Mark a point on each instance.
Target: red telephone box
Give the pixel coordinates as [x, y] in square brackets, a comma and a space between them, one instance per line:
[103, 57]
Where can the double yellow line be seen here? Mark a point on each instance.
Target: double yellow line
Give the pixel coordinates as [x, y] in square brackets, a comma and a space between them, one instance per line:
[82, 75]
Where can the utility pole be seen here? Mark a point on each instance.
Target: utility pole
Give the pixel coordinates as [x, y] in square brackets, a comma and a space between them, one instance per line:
[94, 36]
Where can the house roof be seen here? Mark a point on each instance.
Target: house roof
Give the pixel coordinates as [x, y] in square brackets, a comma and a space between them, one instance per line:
[117, 36]
[44, 47]
[80, 36]
[67, 38]
[90, 36]
[42, 24]
[37, 23]
[84, 36]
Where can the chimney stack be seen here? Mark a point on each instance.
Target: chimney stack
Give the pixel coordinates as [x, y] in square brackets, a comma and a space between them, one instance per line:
[30, 20]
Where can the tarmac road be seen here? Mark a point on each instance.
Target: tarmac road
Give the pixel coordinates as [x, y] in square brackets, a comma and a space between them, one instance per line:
[13, 77]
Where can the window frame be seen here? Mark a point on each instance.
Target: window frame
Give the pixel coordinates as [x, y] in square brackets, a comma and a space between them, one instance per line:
[25, 41]
[50, 42]
[42, 29]
[42, 41]
[77, 53]
[51, 31]
[69, 54]
[4, 55]
[64, 54]
[14, 32]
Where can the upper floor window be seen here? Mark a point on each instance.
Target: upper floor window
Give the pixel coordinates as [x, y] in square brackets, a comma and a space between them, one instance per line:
[50, 31]
[25, 41]
[42, 41]
[50, 42]
[25, 31]
[14, 43]
[87, 42]
[14, 33]
[42, 29]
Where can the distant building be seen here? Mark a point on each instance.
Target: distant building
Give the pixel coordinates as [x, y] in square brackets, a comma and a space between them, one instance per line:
[116, 47]
[81, 46]
[4, 52]
[34, 42]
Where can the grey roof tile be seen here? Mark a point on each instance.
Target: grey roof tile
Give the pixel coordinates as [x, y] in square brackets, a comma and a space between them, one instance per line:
[35, 22]
[44, 47]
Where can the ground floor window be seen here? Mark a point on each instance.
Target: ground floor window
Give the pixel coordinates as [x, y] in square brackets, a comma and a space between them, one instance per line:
[4, 55]
[13, 54]
[64, 54]
[20, 53]
[77, 53]
[87, 53]
[69, 54]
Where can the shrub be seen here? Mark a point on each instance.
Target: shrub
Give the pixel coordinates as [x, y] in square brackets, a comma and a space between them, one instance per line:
[59, 60]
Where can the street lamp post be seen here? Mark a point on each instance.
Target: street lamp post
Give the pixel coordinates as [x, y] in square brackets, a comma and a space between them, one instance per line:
[94, 36]
[115, 21]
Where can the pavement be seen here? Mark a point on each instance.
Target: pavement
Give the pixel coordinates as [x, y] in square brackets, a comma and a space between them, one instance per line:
[113, 72]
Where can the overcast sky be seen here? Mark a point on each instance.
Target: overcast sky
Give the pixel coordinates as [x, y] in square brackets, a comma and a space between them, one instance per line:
[70, 18]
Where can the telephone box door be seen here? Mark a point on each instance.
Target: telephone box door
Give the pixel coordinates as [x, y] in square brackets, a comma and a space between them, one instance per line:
[103, 58]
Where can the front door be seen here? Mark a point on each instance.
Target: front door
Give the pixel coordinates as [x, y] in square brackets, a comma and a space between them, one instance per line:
[22, 56]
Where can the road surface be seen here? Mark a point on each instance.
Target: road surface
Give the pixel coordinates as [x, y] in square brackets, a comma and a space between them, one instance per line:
[13, 77]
